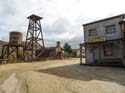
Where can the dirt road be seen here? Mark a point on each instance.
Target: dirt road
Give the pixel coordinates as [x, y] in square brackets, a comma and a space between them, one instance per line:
[65, 76]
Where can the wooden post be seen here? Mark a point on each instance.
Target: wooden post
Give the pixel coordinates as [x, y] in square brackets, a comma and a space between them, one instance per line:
[80, 54]
[17, 54]
[123, 60]
[99, 50]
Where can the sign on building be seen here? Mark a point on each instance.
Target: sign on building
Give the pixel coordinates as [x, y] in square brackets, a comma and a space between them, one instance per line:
[97, 39]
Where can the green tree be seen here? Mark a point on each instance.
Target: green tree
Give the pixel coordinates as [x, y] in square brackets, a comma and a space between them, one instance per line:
[74, 53]
[67, 48]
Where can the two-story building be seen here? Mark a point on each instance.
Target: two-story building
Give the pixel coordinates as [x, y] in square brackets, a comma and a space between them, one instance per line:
[104, 41]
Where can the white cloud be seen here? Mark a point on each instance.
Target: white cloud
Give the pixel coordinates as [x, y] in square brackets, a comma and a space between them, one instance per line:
[62, 18]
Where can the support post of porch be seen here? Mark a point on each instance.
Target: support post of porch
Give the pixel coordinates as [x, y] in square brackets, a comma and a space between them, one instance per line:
[123, 60]
[80, 54]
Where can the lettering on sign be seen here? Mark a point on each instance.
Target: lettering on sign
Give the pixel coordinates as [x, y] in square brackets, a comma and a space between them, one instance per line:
[97, 39]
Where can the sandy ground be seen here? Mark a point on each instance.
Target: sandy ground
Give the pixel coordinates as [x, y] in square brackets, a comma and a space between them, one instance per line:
[60, 76]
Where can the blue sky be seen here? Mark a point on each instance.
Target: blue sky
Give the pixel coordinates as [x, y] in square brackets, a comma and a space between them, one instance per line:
[62, 21]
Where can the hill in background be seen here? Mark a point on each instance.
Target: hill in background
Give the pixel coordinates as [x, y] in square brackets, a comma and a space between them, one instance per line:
[2, 43]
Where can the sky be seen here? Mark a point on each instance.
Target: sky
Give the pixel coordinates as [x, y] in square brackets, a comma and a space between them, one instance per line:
[62, 19]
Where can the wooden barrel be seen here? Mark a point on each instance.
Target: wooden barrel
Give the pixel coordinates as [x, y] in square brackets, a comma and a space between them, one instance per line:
[15, 38]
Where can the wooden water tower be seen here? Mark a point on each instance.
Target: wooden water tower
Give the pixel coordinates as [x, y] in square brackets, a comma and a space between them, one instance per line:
[13, 47]
[34, 37]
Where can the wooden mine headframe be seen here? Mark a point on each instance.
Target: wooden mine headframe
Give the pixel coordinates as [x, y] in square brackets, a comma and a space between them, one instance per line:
[34, 37]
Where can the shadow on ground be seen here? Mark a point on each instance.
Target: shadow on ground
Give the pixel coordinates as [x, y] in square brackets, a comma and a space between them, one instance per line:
[87, 73]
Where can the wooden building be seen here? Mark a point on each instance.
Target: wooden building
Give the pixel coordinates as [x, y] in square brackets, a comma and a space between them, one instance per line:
[104, 41]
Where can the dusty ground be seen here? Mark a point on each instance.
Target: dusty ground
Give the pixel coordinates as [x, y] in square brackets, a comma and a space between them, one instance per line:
[65, 76]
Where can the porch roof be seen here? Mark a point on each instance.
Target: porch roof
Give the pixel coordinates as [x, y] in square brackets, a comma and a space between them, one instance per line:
[91, 43]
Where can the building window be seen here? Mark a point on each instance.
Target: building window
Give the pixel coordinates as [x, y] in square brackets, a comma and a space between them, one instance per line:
[92, 32]
[108, 50]
[110, 29]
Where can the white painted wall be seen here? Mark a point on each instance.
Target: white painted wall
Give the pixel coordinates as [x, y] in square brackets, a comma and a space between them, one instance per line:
[100, 27]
